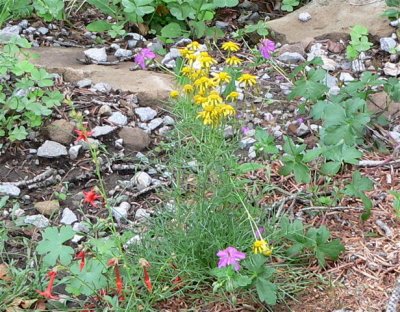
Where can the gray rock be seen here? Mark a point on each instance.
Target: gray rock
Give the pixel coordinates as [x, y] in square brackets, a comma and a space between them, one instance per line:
[395, 23]
[132, 43]
[163, 131]
[117, 118]
[141, 214]
[252, 152]
[121, 212]
[302, 129]
[102, 87]
[358, 66]
[9, 190]
[334, 90]
[228, 132]
[387, 44]
[248, 6]
[155, 123]
[170, 57]
[73, 151]
[168, 121]
[291, 57]
[182, 42]
[346, 77]
[68, 217]
[30, 30]
[119, 143]
[330, 81]
[156, 45]
[145, 113]
[19, 213]
[91, 142]
[222, 25]
[43, 30]
[315, 51]
[9, 32]
[135, 240]
[23, 24]
[304, 17]
[96, 54]
[123, 53]
[135, 36]
[39, 221]
[76, 239]
[80, 227]
[246, 142]
[142, 180]
[115, 46]
[328, 64]
[51, 149]
[395, 136]
[105, 110]
[84, 83]
[99, 131]
[391, 69]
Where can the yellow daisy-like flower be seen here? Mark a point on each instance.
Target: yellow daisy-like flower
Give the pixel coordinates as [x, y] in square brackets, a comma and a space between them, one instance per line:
[185, 52]
[248, 80]
[222, 77]
[261, 247]
[174, 94]
[233, 61]
[207, 61]
[194, 46]
[230, 46]
[188, 88]
[187, 71]
[199, 99]
[227, 110]
[233, 96]
[191, 58]
[210, 114]
[204, 83]
[214, 98]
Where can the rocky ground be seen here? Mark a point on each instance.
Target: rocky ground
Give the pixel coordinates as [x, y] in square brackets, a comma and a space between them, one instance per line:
[124, 107]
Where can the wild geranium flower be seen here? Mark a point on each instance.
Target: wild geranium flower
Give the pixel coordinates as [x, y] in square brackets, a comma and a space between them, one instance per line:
[248, 80]
[266, 48]
[230, 46]
[233, 61]
[260, 246]
[83, 135]
[143, 55]
[174, 94]
[119, 284]
[48, 292]
[245, 130]
[81, 256]
[230, 256]
[91, 197]
[147, 282]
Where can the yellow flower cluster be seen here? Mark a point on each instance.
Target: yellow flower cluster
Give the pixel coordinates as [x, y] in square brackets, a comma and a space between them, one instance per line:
[262, 247]
[204, 87]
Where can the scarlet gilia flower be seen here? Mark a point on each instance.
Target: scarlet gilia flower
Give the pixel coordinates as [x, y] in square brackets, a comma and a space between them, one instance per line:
[48, 292]
[119, 284]
[83, 135]
[91, 197]
[145, 264]
[81, 256]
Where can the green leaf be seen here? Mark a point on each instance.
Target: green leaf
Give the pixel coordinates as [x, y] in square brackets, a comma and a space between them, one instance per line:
[330, 250]
[18, 133]
[247, 167]
[301, 173]
[330, 168]
[53, 248]
[243, 281]
[99, 26]
[226, 3]
[172, 30]
[104, 6]
[88, 281]
[266, 291]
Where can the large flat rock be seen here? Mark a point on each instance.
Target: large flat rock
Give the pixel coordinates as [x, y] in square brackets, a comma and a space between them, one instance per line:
[333, 17]
[148, 85]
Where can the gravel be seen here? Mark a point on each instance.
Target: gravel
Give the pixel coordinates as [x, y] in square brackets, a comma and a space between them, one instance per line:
[84, 83]
[117, 118]
[387, 44]
[304, 17]
[145, 113]
[9, 190]
[68, 217]
[51, 149]
[99, 131]
[38, 221]
[96, 54]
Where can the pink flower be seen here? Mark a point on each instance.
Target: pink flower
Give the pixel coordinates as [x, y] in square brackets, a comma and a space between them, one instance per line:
[230, 256]
[245, 130]
[266, 48]
[143, 55]
[259, 232]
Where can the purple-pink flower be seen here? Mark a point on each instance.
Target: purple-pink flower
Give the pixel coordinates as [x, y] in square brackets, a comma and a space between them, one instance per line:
[245, 130]
[230, 256]
[259, 232]
[266, 48]
[142, 56]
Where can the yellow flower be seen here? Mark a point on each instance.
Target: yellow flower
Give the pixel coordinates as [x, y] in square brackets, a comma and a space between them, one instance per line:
[222, 77]
[233, 96]
[187, 71]
[227, 110]
[199, 99]
[191, 58]
[233, 61]
[261, 247]
[188, 88]
[194, 46]
[210, 114]
[248, 80]
[214, 98]
[203, 83]
[207, 61]
[174, 94]
[230, 46]
[185, 52]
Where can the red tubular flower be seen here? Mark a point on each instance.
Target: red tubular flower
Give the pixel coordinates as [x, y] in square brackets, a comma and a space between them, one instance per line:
[48, 292]
[91, 197]
[83, 135]
[81, 255]
[119, 284]
[145, 264]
